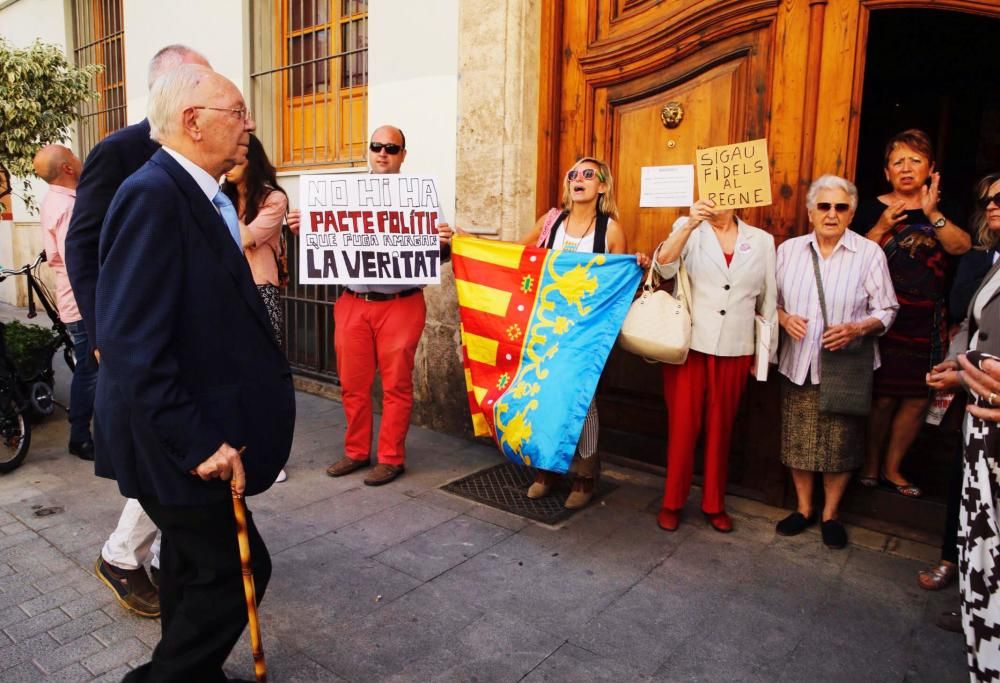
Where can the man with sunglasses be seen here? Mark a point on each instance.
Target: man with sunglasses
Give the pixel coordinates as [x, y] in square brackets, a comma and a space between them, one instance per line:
[377, 329]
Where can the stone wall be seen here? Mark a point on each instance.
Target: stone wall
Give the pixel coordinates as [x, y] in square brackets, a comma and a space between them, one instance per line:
[495, 185]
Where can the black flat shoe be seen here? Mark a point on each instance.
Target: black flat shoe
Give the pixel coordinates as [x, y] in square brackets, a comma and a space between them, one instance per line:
[794, 524]
[83, 449]
[834, 534]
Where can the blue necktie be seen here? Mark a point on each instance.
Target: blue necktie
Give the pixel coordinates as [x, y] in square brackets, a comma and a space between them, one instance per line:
[228, 212]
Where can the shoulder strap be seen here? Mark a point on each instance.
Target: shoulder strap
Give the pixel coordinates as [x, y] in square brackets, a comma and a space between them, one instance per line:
[819, 285]
[601, 234]
[554, 229]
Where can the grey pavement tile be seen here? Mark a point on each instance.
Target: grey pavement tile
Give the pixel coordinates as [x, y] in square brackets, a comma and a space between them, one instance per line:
[705, 660]
[49, 599]
[31, 626]
[74, 673]
[498, 517]
[323, 584]
[90, 602]
[119, 654]
[446, 501]
[80, 626]
[12, 528]
[5, 570]
[11, 615]
[113, 676]
[384, 529]
[69, 653]
[6, 518]
[572, 664]
[822, 659]
[933, 654]
[16, 539]
[26, 672]
[284, 663]
[382, 643]
[348, 506]
[129, 625]
[32, 648]
[75, 535]
[435, 551]
[492, 648]
[75, 577]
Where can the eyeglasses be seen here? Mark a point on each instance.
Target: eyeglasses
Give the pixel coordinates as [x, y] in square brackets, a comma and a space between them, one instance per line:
[824, 207]
[995, 199]
[242, 112]
[389, 147]
[586, 174]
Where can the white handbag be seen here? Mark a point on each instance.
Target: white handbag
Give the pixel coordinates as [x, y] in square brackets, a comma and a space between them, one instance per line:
[658, 325]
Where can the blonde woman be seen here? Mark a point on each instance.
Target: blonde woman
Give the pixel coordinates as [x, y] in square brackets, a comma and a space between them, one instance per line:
[587, 222]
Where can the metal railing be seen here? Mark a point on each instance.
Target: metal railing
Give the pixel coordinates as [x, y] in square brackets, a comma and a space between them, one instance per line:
[99, 39]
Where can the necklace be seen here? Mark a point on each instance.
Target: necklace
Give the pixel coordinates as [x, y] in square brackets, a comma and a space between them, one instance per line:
[571, 243]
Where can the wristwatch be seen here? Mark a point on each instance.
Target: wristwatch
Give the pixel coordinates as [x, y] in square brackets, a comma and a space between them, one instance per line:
[940, 222]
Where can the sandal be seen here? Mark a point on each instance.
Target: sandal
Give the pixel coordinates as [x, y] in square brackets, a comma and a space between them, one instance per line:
[906, 489]
[868, 482]
[936, 578]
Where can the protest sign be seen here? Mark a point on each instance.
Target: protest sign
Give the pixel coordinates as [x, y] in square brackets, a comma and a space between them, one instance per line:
[735, 176]
[667, 186]
[369, 229]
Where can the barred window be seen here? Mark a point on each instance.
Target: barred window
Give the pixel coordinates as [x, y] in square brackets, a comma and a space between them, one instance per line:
[98, 35]
[309, 80]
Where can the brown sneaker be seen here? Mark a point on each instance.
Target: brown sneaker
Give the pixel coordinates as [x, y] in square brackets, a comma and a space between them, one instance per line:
[345, 466]
[131, 587]
[383, 474]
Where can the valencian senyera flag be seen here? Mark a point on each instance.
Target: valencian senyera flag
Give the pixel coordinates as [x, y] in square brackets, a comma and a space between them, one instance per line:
[537, 327]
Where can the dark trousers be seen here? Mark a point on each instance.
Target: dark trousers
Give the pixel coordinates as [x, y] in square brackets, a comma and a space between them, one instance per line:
[83, 386]
[203, 608]
[949, 544]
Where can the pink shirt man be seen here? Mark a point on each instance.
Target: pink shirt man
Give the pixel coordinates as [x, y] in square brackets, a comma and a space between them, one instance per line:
[56, 209]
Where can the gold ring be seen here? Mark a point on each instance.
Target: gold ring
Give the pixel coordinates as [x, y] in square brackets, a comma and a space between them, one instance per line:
[991, 397]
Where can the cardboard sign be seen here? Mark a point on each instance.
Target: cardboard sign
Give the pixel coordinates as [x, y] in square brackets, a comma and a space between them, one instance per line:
[735, 176]
[369, 229]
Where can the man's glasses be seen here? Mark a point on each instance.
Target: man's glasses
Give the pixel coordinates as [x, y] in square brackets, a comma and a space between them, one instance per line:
[586, 174]
[389, 147]
[995, 199]
[242, 112]
[840, 207]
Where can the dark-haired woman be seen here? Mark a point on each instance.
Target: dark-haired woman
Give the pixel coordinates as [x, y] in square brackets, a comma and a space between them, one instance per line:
[919, 241]
[261, 205]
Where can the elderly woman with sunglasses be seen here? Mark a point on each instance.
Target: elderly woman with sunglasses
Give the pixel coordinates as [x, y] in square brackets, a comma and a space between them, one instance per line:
[731, 268]
[587, 222]
[858, 300]
[918, 240]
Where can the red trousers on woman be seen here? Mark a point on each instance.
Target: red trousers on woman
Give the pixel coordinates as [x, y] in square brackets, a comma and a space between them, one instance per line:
[705, 390]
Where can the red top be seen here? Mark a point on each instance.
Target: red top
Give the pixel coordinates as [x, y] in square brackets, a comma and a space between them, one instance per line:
[729, 259]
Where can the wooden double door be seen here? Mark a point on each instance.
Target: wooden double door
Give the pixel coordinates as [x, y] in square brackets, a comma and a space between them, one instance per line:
[615, 75]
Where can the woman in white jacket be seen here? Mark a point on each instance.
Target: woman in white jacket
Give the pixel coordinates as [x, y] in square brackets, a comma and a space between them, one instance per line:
[731, 268]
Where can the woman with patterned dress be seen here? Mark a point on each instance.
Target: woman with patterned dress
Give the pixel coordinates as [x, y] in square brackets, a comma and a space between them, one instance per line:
[588, 222]
[919, 242]
[979, 511]
[261, 205]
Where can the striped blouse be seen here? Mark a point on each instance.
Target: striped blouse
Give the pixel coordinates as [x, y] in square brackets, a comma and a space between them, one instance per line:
[857, 285]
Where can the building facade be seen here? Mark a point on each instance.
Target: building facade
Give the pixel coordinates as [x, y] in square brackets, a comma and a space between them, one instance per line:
[498, 97]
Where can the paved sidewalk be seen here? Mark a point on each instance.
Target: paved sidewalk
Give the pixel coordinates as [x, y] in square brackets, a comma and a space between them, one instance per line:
[408, 583]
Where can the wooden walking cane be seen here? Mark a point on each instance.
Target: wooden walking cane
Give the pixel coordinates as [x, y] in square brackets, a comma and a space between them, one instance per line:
[243, 537]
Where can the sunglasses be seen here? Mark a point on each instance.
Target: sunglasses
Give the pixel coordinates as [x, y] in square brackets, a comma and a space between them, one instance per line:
[389, 147]
[825, 207]
[586, 174]
[995, 199]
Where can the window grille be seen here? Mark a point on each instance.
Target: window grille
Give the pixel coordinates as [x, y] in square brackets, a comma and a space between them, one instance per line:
[99, 39]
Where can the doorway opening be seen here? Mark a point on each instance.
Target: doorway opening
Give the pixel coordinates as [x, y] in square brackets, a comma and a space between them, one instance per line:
[933, 70]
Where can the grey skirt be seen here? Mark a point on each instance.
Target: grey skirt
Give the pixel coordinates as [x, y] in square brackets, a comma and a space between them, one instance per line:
[815, 441]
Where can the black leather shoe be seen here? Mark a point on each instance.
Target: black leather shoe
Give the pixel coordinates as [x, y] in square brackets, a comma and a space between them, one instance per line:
[834, 534]
[82, 449]
[794, 524]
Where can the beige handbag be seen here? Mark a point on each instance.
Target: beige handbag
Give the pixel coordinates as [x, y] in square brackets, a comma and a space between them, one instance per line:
[658, 325]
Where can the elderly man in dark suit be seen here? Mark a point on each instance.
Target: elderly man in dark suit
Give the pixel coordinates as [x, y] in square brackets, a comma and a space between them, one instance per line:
[190, 370]
[120, 564]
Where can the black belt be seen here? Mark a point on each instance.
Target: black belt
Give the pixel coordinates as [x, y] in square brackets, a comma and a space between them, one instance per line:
[380, 296]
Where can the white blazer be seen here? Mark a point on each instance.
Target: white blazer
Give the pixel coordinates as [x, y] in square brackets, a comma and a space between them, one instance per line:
[724, 299]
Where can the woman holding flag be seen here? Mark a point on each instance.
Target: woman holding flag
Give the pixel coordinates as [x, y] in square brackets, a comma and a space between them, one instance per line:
[587, 222]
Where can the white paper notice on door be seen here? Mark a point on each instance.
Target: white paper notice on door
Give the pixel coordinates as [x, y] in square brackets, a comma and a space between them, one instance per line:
[667, 186]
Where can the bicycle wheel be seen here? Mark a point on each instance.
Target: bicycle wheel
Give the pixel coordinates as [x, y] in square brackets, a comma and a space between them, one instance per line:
[15, 437]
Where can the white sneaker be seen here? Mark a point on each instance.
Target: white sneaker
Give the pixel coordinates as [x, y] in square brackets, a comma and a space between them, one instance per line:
[282, 476]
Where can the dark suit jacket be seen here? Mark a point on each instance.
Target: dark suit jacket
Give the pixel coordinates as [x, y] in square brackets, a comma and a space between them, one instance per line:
[188, 357]
[111, 161]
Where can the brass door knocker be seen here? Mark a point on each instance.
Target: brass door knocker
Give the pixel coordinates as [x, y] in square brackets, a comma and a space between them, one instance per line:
[672, 114]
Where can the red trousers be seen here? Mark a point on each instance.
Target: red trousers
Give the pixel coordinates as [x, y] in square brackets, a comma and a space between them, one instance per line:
[383, 335]
[705, 390]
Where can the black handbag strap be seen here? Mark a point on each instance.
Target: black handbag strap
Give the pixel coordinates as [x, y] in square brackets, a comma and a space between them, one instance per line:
[819, 286]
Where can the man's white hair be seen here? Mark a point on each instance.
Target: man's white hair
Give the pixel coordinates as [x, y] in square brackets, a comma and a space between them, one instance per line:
[172, 93]
[167, 58]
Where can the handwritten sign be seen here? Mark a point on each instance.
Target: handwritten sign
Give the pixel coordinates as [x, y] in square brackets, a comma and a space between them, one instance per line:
[667, 186]
[369, 229]
[735, 176]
